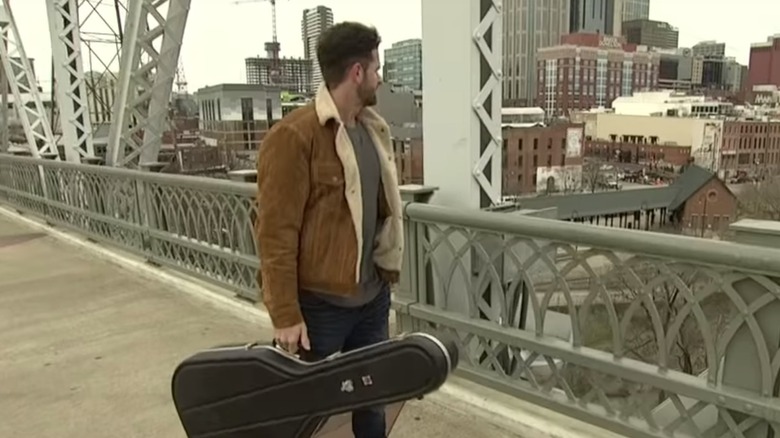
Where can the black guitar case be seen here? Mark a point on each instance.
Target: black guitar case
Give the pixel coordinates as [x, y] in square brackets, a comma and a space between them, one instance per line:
[260, 391]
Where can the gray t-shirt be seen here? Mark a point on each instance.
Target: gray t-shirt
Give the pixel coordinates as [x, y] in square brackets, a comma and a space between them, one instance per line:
[370, 182]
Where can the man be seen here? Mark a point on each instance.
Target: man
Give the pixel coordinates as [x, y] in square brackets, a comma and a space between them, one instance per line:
[329, 225]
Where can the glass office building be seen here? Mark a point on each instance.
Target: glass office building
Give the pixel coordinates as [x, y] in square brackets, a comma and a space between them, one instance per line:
[403, 64]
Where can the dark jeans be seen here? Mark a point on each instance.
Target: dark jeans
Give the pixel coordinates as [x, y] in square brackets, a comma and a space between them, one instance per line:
[332, 329]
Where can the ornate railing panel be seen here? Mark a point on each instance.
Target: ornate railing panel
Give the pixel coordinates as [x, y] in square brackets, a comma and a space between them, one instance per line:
[201, 226]
[611, 326]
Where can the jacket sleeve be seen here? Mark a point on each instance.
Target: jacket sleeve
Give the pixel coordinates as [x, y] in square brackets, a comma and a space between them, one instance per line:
[282, 194]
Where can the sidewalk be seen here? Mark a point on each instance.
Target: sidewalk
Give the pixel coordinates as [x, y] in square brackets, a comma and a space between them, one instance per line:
[87, 348]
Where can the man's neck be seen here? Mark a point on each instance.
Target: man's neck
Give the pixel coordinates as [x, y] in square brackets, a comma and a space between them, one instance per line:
[347, 107]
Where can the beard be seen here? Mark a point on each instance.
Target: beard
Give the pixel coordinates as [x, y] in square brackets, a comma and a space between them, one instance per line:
[367, 96]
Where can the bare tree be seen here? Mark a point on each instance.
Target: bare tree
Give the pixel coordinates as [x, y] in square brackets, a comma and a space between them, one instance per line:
[651, 324]
[761, 200]
[592, 175]
[571, 180]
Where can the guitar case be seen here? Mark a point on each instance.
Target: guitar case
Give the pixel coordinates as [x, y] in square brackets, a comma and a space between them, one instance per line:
[260, 391]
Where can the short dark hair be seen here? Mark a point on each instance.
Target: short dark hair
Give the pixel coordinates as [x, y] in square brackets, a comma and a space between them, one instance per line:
[341, 46]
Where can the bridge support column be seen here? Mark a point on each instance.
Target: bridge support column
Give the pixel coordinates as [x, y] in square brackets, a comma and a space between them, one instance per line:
[21, 81]
[71, 90]
[145, 80]
[463, 146]
[462, 108]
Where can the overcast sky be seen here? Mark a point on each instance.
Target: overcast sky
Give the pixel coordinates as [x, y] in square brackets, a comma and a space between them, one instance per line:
[221, 33]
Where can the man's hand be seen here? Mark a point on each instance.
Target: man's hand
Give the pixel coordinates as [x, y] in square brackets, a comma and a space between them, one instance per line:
[290, 337]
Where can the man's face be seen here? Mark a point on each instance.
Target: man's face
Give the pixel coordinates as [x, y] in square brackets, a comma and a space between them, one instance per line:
[370, 81]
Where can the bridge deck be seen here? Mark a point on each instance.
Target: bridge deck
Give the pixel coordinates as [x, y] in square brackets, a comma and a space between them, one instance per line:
[87, 348]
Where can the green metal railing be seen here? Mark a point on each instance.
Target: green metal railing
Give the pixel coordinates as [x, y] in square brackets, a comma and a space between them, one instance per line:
[642, 333]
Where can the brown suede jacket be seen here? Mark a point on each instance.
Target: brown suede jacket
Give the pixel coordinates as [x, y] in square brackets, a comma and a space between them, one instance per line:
[309, 223]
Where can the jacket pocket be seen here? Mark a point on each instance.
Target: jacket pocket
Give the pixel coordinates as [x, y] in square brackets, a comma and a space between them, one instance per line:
[328, 174]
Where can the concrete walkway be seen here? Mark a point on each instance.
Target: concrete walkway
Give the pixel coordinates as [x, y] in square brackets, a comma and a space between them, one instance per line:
[87, 348]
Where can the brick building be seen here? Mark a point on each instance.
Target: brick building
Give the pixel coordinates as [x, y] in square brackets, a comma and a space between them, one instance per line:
[764, 67]
[637, 153]
[704, 207]
[409, 160]
[592, 70]
[697, 203]
[236, 117]
[535, 159]
[750, 148]
[542, 158]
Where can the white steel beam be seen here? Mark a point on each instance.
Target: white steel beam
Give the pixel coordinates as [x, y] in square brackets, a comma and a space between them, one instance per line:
[462, 112]
[70, 86]
[150, 55]
[24, 86]
[462, 132]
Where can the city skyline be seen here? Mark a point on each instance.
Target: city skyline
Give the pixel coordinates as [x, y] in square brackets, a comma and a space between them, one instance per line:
[207, 44]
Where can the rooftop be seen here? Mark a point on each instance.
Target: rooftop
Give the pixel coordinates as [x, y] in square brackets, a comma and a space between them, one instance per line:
[241, 88]
[623, 201]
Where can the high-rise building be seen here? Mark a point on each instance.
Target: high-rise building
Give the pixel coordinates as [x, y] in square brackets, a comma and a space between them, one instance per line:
[528, 26]
[679, 69]
[721, 73]
[295, 73]
[764, 66]
[588, 70]
[651, 33]
[636, 10]
[710, 49]
[596, 16]
[403, 64]
[314, 22]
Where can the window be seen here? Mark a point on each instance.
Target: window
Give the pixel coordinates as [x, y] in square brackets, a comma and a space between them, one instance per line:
[247, 109]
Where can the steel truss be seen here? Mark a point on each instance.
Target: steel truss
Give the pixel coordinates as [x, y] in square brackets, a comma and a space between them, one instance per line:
[23, 84]
[70, 86]
[487, 103]
[145, 81]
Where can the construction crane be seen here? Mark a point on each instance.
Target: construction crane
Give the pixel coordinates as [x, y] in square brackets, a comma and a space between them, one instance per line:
[272, 49]
[181, 79]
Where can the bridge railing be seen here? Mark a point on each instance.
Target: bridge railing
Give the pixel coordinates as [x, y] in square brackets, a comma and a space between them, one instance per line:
[642, 333]
[199, 225]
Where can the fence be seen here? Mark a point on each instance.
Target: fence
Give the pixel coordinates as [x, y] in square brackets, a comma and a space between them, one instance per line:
[642, 333]
[199, 225]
